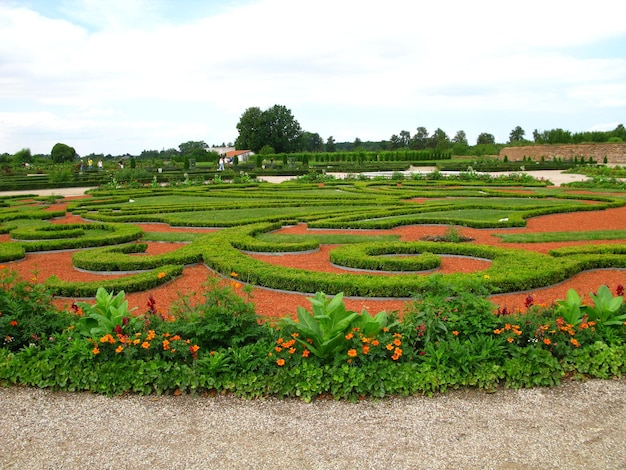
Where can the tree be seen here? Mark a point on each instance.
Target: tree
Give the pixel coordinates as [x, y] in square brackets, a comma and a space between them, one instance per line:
[330, 144]
[251, 128]
[405, 138]
[460, 138]
[420, 139]
[275, 126]
[23, 156]
[312, 142]
[357, 143]
[517, 134]
[395, 142]
[485, 138]
[439, 140]
[194, 149]
[62, 153]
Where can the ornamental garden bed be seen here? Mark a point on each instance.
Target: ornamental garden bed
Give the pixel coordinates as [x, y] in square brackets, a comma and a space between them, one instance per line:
[274, 247]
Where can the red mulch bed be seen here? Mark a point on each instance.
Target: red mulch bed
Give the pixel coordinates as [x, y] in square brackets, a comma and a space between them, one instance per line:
[272, 304]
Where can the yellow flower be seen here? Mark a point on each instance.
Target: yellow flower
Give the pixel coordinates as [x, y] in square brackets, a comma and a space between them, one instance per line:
[487, 276]
[234, 274]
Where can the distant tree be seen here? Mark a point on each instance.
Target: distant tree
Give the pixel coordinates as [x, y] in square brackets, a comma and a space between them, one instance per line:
[405, 138]
[619, 132]
[251, 129]
[517, 134]
[194, 149]
[312, 142]
[439, 140]
[395, 142]
[357, 143]
[330, 144]
[460, 138]
[23, 156]
[275, 126]
[62, 153]
[485, 138]
[420, 139]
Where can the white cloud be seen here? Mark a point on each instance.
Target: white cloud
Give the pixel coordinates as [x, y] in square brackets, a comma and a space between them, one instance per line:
[417, 59]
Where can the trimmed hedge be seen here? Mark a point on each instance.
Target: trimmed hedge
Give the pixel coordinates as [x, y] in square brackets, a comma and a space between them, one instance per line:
[134, 283]
[11, 251]
[117, 258]
[376, 257]
[115, 234]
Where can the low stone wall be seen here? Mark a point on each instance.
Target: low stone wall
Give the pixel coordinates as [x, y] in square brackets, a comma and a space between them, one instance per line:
[614, 152]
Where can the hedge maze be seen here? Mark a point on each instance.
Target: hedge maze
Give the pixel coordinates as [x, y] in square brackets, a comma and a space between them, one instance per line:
[108, 240]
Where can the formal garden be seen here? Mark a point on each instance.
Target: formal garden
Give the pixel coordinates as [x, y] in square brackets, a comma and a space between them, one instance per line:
[348, 288]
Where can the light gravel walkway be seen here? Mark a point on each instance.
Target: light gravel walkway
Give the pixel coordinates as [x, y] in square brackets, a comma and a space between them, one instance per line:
[574, 426]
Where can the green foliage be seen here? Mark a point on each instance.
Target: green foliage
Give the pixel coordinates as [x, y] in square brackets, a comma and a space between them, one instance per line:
[109, 314]
[222, 320]
[606, 308]
[62, 153]
[323, 331]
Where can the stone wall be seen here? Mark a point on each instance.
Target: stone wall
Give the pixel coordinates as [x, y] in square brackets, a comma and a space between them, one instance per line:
[614, 152]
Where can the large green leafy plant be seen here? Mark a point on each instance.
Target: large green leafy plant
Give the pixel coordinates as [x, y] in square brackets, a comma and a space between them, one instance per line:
[109, 314]
[323, 331]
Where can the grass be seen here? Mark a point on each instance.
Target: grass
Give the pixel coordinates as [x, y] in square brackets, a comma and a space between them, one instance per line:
[545, 237]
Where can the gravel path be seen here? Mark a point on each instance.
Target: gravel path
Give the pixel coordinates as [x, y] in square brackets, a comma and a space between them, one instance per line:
[576, 425]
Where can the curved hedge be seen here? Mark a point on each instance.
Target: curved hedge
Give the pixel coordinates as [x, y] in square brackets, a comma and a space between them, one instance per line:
[11, 251]
[510, 271]
[375, 257]
[114, 234]
[133, 283]
[116, 258]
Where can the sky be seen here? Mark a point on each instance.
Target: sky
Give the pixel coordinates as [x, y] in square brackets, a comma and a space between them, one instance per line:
[122, 76]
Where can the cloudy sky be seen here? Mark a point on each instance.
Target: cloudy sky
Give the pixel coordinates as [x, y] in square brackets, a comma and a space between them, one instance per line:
[118, 76]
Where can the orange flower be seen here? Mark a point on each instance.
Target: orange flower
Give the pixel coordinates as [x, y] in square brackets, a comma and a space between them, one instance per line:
[292, 350]
[119, 349]
[574, 342]
[349, 336]
[455, 333]
[166, 345]
[389, 347]
[175, 338]
[510, 340]
[397, 342]
[289, 343]
[295, 335]
[151, 335]
[280, 362]
[507, 326]
[161, 275]
[497, 331]
[194, 349]
[397, 352]
[13, 322]
[375, 342]
[352, 352]
[366, 349]
[279, 340]
[235, 285]
[234, 274]
[145, 345]
[95, 350]
[306, 353]
[278, 349]
[547, 341]
[136, 341]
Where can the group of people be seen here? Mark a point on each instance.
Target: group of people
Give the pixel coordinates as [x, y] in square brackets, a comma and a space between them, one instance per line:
[90, 165]
[223, 161]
